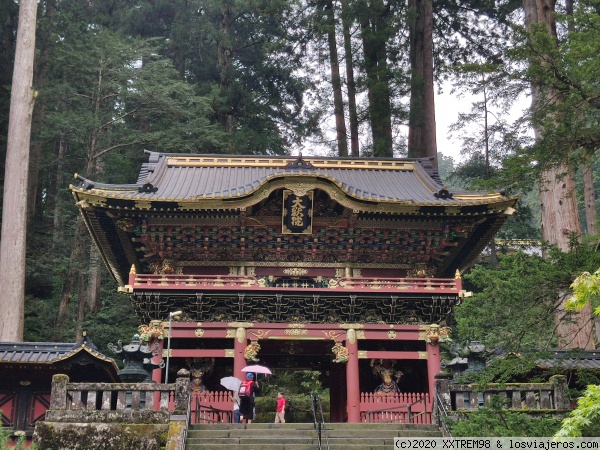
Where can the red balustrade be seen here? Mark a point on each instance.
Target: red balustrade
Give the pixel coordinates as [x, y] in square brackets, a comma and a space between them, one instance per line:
[211, 407]
[222, 282]
[406, 407]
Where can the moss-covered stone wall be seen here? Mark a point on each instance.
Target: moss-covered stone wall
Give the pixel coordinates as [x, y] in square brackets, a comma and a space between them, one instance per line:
[100, 436]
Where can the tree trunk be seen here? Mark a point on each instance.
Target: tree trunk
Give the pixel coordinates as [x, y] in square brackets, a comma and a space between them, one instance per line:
[58, 231]
[38, 116]
[559, 213]
[224, 51]
[336, 81]
[589, 197]
[81, 306]
[421, 122]
[352, 114]
[374, 37]
[14, 206]
[93, 283]
[76, 264]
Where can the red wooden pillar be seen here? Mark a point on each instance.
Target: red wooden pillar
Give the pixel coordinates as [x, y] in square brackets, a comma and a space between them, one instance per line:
[239, 344]
[352, 378]
[157, 373]
[434, 365]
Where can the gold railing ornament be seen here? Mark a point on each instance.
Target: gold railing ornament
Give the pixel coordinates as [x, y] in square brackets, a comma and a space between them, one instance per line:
[251, 351]
[152, 331]
[436, 334]
[341, 353]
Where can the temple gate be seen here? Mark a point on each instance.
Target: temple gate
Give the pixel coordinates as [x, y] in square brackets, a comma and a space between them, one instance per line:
[344, 265]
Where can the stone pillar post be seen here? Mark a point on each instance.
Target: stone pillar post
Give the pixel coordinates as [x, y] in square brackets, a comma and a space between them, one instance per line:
[561, 394]
[434, 365]
[441, 396]
[239, 345]
[182, 391]
[58, 395]
[352, 378]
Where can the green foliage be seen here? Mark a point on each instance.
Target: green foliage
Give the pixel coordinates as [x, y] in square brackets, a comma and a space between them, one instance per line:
[495, 420]
[513, 306]
[6, 441]
[473, 173]
[585, 419]
[299, 382]
[298, 386]
[586, 288]
[565, 71]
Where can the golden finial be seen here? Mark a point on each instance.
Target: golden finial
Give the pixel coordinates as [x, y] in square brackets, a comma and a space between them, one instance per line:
[132, 271]
[457, 275]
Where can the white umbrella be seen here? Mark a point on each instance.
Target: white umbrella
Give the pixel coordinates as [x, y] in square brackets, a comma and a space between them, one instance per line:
[257, 369]
[231, 383]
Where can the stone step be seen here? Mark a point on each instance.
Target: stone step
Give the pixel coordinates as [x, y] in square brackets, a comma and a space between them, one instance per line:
[336, 433]
[258, 441]
[288, 446]
[301, 436]
[310, 426]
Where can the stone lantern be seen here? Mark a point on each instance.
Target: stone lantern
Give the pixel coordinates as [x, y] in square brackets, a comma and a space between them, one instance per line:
[137, 358]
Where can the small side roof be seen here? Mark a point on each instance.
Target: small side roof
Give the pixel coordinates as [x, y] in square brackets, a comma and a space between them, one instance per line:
[570, 359]
[57, 354]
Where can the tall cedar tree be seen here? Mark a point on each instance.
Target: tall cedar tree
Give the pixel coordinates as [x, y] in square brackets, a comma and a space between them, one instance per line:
[560, 216]
[14, 201]
[421, 124]
[336, 81]
[375, 34]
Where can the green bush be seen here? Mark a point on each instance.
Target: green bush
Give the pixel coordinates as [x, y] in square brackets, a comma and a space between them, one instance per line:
[494, 420]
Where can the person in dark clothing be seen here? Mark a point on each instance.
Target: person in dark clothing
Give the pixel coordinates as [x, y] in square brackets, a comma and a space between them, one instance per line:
[247, 393]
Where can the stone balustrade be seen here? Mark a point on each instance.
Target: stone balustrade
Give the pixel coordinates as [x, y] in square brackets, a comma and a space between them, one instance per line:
[118, 416]
[93, 402]
[547, 397]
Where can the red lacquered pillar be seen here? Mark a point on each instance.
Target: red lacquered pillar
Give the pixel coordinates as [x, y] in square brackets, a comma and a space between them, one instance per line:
[434, 365]
[352, 378]
[157, 373]
[239, 344]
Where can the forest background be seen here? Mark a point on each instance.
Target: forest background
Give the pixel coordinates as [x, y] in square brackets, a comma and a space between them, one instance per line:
[338, 78]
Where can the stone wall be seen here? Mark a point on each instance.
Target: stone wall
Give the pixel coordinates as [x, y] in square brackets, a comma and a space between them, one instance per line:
[120, 416]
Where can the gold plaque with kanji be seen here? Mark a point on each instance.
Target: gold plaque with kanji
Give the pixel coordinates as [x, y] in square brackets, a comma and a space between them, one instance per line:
[297, 213]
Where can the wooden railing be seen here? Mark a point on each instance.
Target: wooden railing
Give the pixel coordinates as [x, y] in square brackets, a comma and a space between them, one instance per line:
[211, 407]
[223, 282]
[398, 408]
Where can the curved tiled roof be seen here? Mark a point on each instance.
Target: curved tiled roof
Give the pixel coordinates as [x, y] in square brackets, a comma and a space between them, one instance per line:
[363, 192]
[177, 177]
[50, 353]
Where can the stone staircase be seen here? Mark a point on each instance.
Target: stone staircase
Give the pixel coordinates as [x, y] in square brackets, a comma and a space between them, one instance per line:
[302, 436]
